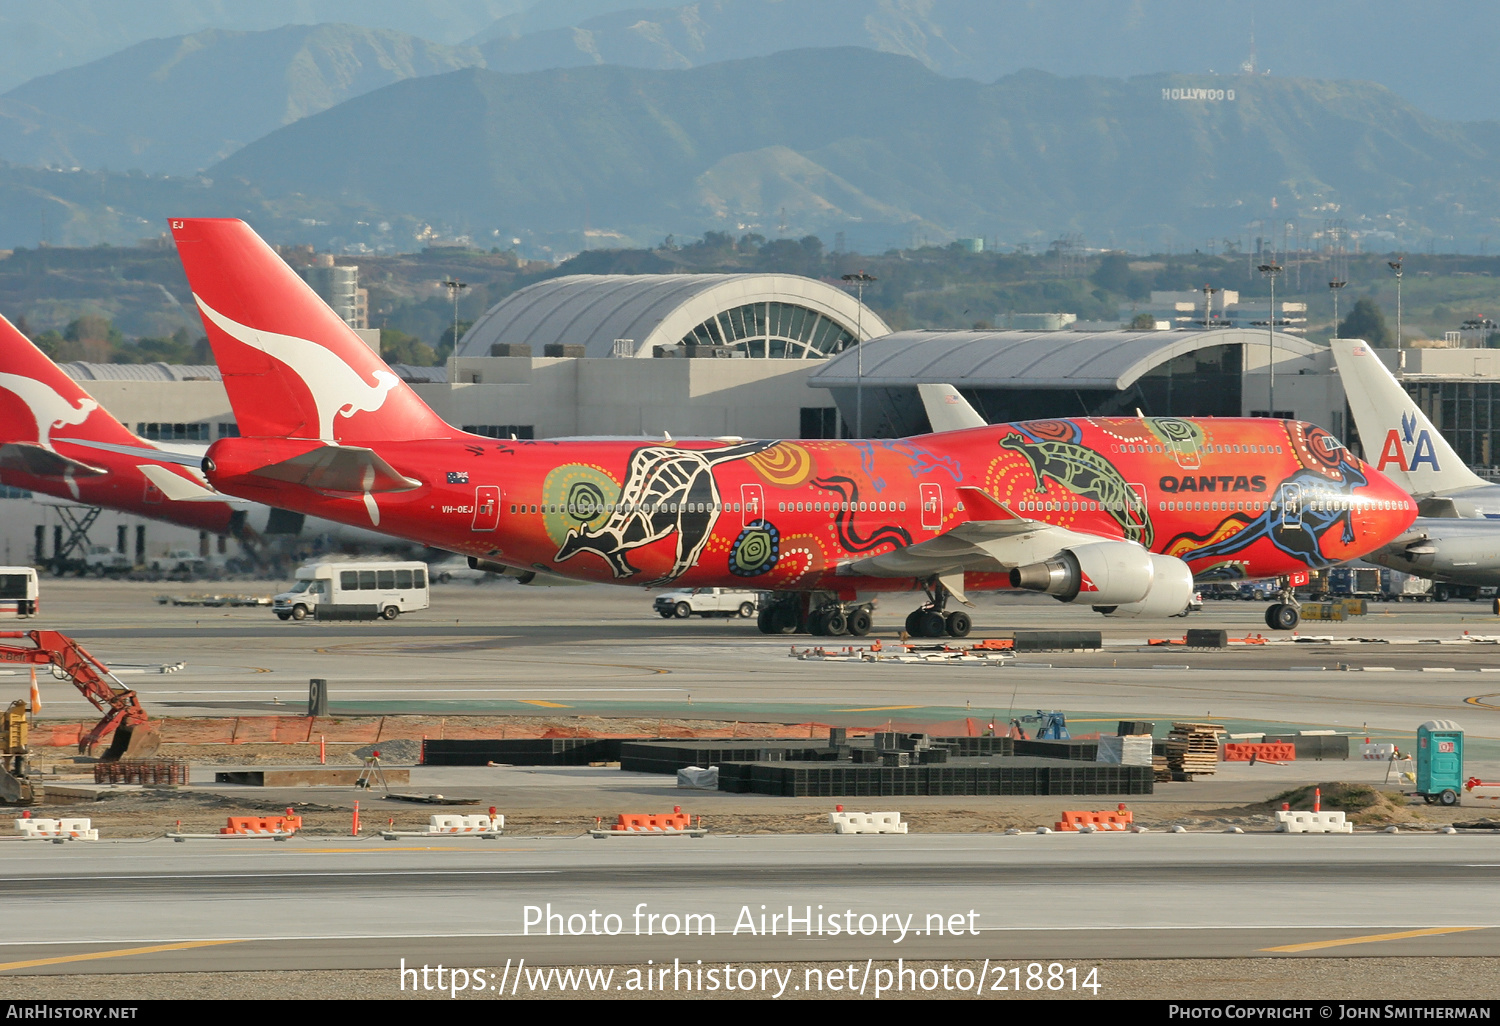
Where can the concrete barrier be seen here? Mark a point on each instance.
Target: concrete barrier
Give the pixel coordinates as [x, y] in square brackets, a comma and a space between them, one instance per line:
[443, 824]
[867, 823]
[57, 829]
[1312, 823]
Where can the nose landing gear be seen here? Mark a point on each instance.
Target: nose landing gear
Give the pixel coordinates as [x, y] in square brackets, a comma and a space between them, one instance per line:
[1284, 614]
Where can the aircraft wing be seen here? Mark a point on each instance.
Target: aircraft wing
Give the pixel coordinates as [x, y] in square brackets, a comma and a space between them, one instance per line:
[347, 469]
[180, 489]
[30, 458]
[995, 540]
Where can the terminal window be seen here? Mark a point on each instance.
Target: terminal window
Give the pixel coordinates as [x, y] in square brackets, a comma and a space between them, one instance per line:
[162, 432]
[502, 430]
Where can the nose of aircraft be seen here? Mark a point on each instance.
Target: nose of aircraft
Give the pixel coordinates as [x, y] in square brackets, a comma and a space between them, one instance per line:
[1393, 509]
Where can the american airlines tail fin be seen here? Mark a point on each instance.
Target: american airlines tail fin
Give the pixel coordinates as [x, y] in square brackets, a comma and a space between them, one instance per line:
[291, 366]
[1398, 438]
[947, 410]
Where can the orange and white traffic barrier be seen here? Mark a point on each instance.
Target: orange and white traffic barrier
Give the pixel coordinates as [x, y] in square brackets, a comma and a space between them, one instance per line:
[287, 824]
[1476, 788]
[1260, 751]
[1072, 821]
[866, 822]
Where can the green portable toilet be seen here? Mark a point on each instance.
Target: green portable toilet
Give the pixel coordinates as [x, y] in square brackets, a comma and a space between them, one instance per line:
[1440, 761]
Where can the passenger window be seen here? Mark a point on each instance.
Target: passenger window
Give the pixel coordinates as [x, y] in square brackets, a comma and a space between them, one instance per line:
[385, 580]
[349, 580]
[419, 578]
[403, 579]
[367, 580]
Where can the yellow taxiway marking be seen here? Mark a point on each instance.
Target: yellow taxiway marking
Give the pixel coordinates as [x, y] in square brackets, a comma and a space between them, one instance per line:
[878, 708]
[1479, 700]
[117, 953]
[549, 705]
[1375, 938]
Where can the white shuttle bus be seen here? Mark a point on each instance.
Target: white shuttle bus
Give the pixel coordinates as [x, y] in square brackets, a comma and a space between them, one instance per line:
[354, 591]
[19, 594]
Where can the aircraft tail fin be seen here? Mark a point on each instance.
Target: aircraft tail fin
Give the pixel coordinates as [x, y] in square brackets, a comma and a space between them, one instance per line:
[40, 405]
[947, 410]
[291, 366]
[1398, 438]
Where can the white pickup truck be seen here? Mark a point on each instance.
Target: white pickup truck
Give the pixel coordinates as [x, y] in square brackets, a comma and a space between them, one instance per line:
[707, 602]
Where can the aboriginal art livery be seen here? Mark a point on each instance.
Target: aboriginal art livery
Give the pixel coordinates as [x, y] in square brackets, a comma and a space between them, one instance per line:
[1120, 514]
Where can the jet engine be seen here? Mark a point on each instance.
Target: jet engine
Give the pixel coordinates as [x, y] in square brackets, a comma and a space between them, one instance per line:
[520, 576]
[1116, 578]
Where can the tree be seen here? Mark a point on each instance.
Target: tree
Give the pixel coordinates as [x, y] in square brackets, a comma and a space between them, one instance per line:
[396, 346]
[1143, 322]
[1367, 321]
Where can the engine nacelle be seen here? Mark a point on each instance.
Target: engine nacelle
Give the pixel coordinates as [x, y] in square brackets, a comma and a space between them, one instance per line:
[1171, 590]
[1103, 573]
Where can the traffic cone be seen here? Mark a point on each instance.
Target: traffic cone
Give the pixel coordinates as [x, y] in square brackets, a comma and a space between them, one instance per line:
[36, 697]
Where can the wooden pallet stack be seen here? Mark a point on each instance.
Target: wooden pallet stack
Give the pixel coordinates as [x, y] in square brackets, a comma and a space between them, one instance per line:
[1193, 748]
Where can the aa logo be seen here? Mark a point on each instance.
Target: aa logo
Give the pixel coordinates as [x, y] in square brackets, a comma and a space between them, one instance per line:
[1394, 450]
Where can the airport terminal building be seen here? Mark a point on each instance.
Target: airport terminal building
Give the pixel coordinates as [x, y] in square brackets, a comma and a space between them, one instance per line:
[777, 355]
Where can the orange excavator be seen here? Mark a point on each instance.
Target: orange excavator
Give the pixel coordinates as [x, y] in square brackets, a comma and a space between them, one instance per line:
[133, 737]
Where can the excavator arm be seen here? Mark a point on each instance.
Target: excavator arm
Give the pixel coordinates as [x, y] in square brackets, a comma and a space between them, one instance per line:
[133, 735]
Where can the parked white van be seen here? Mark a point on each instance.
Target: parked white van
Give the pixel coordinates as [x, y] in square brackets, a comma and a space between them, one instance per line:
[354, 591]
[19, 594]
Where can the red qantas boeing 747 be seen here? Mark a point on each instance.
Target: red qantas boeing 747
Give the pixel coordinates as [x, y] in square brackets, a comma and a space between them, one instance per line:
[1119, 514]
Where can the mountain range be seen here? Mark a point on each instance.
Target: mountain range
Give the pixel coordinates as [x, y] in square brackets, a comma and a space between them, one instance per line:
[874, 145]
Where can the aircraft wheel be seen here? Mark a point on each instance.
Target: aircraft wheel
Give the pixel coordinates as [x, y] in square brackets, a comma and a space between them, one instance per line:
[860, 622]
[958, 624]
[835, 623]
[1495, 606]
[933, 624]
[766, 620]
[1282, 616]
[785, 619]
[682, 610]
[817, 624]
[914, 624]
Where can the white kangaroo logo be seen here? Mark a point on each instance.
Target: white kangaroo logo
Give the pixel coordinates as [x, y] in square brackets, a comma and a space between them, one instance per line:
[336, 387]
[48, 408]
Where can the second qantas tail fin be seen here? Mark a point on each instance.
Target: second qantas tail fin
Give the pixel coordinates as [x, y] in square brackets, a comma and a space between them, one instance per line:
[1398, 438]
[291, 366]
[40, 405]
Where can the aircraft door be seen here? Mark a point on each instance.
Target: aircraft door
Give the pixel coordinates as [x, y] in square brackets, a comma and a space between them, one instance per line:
[752, 504]
[932, 506]
[486, 508]
[1291, 505]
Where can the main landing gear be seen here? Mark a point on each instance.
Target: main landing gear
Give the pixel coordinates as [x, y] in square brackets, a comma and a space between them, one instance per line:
[818, 613]
[1284, 614]
[932, 621]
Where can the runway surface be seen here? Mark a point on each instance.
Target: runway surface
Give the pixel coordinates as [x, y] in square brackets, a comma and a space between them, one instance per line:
[308, 904]
[501, 648]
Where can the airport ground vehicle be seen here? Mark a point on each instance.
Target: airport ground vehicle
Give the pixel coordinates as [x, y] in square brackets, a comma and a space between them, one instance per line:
[354, 591]
[101, 560]
[134, 735]
[20, 592]
[707, 602]
[1116, 514]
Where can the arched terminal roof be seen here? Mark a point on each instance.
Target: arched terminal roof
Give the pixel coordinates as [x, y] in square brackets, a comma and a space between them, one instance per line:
[1034, 359]
[777, 315]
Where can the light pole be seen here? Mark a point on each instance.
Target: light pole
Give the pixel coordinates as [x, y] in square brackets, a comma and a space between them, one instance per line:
[1395, 265]
[1334, 287]
[1208, 306]
[1271, 271]
[859, 281]
[454, 287]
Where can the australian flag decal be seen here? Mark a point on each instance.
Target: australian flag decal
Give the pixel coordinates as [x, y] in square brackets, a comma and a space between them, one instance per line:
[458, 477]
